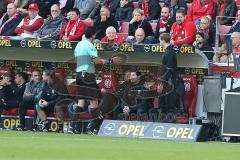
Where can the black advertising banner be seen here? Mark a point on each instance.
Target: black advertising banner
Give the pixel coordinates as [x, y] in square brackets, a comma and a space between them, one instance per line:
[117, 47]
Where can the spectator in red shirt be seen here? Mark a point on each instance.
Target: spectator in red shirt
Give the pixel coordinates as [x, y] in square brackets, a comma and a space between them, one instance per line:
[183, 30]
[151, 9]
[111, 36]
[9, 21]
[74, 29]
[27, 28]
[201, 8]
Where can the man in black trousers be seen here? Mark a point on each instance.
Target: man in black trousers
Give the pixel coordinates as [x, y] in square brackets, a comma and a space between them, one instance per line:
[168, 103]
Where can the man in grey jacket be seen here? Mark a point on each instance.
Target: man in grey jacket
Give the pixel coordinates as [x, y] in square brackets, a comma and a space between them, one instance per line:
[85, 7]
[52, 26]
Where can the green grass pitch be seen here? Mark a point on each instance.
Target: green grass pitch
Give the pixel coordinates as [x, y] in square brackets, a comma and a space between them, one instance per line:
[15, 145]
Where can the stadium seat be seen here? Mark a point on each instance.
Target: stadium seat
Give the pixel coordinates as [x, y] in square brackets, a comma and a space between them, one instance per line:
[12, 112]
[135, 5]
[30, 112]
[191, 92]
[161, 4]
[123, 35]
[109, 82]
[124, 27]
[28, 70]
[223, 30]
[154, 26]
[237, 2]
[156, 99]
[238, 6]
[4, 69]
[60, 74]
[189, 5]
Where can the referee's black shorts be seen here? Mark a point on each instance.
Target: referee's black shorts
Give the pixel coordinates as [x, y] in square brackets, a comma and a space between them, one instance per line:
[86, 79]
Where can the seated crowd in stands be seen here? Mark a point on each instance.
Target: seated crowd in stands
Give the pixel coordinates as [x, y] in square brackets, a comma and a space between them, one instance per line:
[68, 19]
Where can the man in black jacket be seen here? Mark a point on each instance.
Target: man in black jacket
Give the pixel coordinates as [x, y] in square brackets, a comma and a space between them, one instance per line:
[49, 97]
[202, 44]
[130, 105]
[10, 20]
[174, 6]
[104, 21]
[11, 93]
[168, 103]
[124, 11]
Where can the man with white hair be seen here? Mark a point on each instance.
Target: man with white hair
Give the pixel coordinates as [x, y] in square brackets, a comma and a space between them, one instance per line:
[111, 36]
[10, 20]
[236, 43]
[27, 28]
[52, 25]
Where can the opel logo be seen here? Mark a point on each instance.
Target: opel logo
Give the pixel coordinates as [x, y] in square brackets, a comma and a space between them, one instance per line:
[158, 131]
[115, 47]
[53, 44]
[23, 43]
[146, 48]
[109, 128]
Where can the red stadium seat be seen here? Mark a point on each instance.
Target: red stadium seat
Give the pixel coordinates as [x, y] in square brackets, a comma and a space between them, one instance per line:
[122, 35]
[124, 27]
[12, 112]
[30, 113]
[53, 114]
[189, 5]
[60, 74]
[154, 26]
[223, 30]
[109, 82]
[191, 92]
[238, 6]
[28, 70]
[135, 4]
[156, 99]
[5, 69]
[237, 2]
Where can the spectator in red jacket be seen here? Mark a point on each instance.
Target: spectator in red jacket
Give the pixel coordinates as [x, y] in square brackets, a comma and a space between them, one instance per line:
[201, 8]
[151, 9]
[111, 36]
[183, 30]
[27, 28]
[9, 21]
[74, 29]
